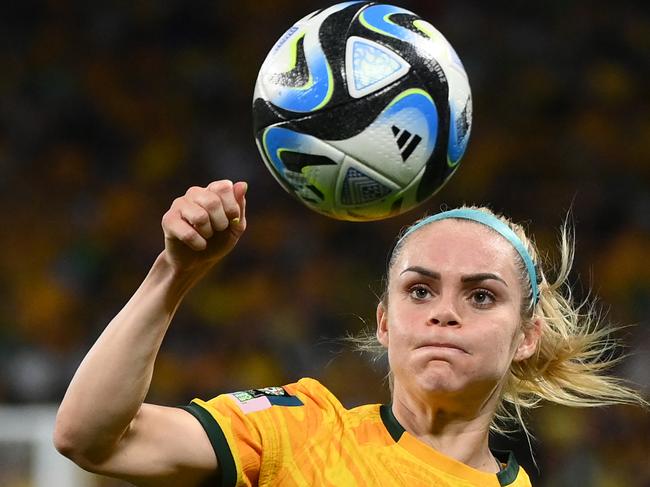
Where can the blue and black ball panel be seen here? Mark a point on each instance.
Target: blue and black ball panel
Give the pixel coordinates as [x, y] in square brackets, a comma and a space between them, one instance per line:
[298, 76]
[304, 165]
[459, 131]
[313, 83]
[341, 121]
[331, 35]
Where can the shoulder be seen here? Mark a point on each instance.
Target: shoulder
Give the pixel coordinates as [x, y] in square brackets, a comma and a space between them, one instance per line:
[304, 397]
[317, 397]
[301, 407]
[306, 401]
[314, 394]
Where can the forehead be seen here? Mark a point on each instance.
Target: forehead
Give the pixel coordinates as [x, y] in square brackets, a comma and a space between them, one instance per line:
[461, 245]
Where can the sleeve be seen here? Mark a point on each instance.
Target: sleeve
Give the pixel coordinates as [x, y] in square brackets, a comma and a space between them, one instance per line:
[243, 425]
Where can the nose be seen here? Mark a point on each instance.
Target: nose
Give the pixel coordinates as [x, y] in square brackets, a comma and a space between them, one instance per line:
[443, 313]
[435, 321]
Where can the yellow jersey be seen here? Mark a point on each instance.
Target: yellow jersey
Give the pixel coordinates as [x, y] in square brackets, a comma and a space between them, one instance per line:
[300, 435]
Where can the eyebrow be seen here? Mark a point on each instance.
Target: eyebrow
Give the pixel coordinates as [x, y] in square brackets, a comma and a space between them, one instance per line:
[423, 271]
[481, 276]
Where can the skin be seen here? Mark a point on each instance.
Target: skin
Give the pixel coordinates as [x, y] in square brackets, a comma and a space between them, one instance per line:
[452, 327]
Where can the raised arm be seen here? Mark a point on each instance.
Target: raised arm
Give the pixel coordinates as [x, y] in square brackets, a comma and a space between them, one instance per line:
[102, 423]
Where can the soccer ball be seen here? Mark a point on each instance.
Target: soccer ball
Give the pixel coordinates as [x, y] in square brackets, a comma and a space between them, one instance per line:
[362, 110]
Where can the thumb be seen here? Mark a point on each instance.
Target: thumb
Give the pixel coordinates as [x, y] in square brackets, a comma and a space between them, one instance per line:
[239, 189]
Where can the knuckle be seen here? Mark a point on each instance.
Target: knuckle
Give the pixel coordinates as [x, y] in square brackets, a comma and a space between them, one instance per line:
[200, 218]
[221, 227]
[214, 207]
[168, 219]
[221, 186]
[187, 236]
[232, 212]
[211, 202]
[194, 190]
[221, 224]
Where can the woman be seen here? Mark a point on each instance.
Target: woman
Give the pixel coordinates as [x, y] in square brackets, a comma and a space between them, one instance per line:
[473, 331]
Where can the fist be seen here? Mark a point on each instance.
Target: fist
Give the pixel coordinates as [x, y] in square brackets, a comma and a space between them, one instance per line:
[203, 225]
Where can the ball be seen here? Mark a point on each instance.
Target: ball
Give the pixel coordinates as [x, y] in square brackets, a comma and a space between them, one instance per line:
[362, 110]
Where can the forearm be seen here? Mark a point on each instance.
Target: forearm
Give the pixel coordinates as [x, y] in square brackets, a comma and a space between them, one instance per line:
[114, 377]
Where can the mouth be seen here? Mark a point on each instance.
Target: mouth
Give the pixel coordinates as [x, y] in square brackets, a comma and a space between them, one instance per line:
[443, 346]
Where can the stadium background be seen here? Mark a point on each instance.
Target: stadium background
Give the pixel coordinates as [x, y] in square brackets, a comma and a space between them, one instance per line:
[110, 110]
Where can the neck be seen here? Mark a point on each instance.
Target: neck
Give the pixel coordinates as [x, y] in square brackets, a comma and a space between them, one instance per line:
[455, 428]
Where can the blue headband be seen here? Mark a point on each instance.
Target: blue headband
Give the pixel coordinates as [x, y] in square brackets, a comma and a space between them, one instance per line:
[495, 224]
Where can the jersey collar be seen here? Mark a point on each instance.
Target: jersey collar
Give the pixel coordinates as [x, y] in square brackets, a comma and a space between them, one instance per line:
[506, 476]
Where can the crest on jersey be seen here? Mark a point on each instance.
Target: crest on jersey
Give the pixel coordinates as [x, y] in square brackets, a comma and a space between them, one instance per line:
[254, 400]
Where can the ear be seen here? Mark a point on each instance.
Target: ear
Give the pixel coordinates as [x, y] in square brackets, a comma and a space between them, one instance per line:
[382, 324]
[531, 337]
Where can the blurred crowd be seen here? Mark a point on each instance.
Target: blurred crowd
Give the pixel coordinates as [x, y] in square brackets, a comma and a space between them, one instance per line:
[108, 111]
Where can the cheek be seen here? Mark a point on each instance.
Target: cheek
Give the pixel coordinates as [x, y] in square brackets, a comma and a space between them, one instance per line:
[498, 349]
[400, 337]
[398, 340]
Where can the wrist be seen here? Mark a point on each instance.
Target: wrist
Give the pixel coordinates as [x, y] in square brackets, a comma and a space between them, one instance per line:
[176, 280]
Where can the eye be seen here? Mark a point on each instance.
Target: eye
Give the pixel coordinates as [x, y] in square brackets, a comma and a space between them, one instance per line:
[419, 292]
[482, 298]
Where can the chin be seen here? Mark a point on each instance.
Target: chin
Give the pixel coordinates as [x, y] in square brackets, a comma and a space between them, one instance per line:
[440, 380]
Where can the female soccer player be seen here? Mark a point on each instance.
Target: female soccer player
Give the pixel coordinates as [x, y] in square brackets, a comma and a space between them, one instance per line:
[473, 331]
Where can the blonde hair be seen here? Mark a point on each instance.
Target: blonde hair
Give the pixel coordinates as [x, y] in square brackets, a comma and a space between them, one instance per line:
[575, 351]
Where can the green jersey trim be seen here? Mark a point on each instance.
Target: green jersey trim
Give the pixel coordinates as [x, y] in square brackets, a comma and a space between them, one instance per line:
[227, 471]
[395, 429]
[508, 474]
